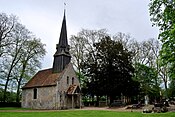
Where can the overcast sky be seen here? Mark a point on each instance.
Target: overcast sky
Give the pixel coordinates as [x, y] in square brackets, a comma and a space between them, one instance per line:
[44, 18]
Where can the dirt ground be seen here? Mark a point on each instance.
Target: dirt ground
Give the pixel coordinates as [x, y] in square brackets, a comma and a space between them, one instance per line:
[84, 108]
[119, 109]
[111, 109]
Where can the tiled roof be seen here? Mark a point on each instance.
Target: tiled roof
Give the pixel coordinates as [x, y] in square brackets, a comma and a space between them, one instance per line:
[43, 78]
[72, 89]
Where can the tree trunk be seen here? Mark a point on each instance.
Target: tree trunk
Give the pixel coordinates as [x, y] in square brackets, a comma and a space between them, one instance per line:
[166, 89]
[97, 102]
[111, 100]
[92, 103]
[165, 79]
[13, 64]
[19, 82]
[18, 92]
[79, 75]
[7, 81]
[5, 90]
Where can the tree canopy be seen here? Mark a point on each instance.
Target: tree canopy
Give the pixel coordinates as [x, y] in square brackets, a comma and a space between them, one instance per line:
[99, 49]
[162, 14]
[110, 70]
[20, 55]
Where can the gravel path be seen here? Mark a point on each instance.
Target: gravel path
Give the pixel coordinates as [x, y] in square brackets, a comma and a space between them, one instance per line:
[84, 108]
[121, 109]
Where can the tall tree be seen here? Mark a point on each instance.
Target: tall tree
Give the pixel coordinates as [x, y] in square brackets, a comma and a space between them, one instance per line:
[162, 14]
[33, 51]
[21, 53]
[146, 56]
[146, 76]
[111, 70]
[171, 91]
[14, 53]
[82, 44]
[164, 75]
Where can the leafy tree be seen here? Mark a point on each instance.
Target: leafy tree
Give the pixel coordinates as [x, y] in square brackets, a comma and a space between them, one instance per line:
[14, 53]
[110, 70]
[20, 53]
[146, 76]
[146, 53]
[171, 90]
[162, 14]
[164, 75]
[33, 51]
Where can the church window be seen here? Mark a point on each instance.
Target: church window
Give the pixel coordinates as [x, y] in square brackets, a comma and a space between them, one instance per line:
[67, 79]
[72, 80]
[60, 98]
[34, 93]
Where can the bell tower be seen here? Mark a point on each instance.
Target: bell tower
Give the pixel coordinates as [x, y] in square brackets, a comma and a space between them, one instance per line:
[62, 56]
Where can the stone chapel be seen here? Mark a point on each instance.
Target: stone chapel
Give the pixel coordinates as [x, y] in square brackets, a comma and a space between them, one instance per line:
[57, 87]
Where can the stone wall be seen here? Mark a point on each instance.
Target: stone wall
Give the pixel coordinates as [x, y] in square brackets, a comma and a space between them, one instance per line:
[62, 83]
[66, 101]
[46, 98]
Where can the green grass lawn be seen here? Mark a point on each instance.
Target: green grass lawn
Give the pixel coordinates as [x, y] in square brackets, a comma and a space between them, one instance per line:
[83, 113]
[13, 108]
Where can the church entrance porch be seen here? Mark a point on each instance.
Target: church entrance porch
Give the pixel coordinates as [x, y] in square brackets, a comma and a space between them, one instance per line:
[73, 97]
[74, 101]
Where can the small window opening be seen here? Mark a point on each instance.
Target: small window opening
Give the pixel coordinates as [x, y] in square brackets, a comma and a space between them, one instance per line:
[35, 93]
[67, 79]
[72, 80]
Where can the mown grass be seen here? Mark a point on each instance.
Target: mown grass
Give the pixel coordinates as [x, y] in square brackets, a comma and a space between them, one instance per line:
[13, 108]
[83, 113]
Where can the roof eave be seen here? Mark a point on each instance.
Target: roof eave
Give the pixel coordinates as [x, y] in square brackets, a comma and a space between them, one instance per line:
[38, 86]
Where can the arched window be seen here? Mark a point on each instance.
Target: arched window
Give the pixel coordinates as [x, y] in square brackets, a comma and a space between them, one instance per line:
[35, 93]
[68, 80]
[72, 80]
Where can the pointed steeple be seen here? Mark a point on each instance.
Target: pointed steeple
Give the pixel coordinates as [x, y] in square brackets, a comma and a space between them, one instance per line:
[62, 56]
[63, 34]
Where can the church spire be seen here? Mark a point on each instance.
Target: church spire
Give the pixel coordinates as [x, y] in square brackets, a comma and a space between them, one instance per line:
[62, 56]
[63, 35]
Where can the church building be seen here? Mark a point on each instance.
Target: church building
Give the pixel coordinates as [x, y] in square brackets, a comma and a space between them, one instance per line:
[57, 87]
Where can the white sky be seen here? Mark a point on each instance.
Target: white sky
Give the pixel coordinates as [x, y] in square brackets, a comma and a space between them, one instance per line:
[44, 18]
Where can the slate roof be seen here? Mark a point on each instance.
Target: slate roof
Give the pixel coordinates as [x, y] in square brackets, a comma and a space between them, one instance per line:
[63, 35]
[43, 78]
[62, 56]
